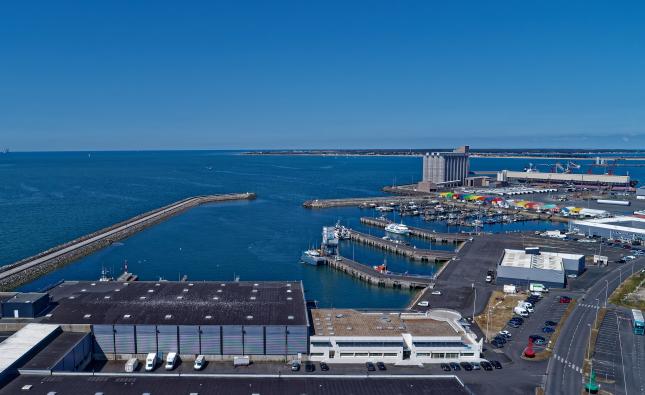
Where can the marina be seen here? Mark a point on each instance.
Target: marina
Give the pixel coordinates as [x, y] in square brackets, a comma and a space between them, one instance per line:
[421, 233]
[401, 249]
[376, 277]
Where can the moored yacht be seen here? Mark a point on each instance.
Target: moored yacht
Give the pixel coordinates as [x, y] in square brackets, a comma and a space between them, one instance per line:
[399, 229]
[312, 257]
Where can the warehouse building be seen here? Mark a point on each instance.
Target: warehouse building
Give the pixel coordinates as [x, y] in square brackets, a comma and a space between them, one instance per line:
[565, 178]
[23, 305]
[263, 320]
[626, 228]
[350, 336]
[522, 267]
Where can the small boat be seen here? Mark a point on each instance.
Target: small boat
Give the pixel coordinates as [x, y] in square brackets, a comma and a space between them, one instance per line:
[381, 268]
[399, 229]
[312, 257]
[384, 208]
[639, 214]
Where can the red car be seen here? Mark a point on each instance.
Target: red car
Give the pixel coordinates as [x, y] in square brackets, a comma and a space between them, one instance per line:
[565, 299]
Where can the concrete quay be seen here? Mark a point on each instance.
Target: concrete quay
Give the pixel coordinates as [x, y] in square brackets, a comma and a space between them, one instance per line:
[329, 203]
[421, 233]
[407, 251]
[371, 276]
[27, 269]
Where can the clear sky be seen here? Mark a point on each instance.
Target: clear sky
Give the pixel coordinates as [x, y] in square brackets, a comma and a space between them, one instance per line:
[303, 74]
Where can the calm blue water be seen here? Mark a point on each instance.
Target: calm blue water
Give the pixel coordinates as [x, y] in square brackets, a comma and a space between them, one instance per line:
[50, 198]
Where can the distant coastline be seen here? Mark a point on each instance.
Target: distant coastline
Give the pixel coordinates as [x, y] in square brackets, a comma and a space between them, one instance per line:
[494, 154]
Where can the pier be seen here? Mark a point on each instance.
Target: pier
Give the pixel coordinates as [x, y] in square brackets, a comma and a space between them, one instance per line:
[371, 276]
[401, 249]
[20, 272]
[421, 233]
[329, 203]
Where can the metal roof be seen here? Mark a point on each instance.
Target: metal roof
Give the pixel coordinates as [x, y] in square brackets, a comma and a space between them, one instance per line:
[18, 345]
[178, 303]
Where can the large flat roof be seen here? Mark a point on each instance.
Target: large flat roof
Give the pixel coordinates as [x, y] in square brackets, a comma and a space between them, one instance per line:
[21, 343]
[178, 303]
[623, 223]
[347, 322]
[544, 261]
[242, 385]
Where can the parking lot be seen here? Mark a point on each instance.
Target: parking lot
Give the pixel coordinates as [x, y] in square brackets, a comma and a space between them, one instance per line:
[547, 309]
[619, 355]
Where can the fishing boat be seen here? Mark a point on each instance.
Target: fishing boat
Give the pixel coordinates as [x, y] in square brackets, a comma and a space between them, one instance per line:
[399, 229]
[639, 214]
[312, 257]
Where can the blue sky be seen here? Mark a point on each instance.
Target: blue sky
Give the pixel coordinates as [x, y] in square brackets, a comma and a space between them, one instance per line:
[243, 74]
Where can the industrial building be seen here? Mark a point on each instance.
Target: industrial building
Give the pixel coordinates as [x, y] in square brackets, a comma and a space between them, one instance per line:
[443, 169]
[522, 267]
[350, 336]
[565, 178]
[264, 320]
[626, 228]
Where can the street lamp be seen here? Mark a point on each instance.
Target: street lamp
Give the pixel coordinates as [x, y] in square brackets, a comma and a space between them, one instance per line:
[606, 291]
[474, 300]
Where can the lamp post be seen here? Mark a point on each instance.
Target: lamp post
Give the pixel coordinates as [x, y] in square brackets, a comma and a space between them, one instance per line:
[474, 300]
[606, 291]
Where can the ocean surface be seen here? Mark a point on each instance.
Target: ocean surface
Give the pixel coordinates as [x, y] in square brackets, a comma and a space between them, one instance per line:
[50, 198]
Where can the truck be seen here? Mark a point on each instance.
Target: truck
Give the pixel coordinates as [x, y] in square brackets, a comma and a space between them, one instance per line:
[510, 289]
[241, 361]
[535, 287]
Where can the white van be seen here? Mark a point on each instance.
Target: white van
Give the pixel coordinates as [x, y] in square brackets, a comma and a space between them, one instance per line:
[171, 360]
[131, 365]
[423, 303]
[151, 362]
[200, 361]
[521, 311]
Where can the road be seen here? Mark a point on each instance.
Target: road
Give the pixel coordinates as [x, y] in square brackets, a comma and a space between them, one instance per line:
[564, 372]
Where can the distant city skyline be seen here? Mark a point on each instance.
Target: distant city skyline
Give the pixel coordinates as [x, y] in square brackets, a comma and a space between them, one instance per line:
[289, 75]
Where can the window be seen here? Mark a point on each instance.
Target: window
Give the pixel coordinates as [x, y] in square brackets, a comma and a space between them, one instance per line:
[390, 354]
[423, 354]
[361, 354]
[467, 354]
[316, 354]
[346, 354]
[439, 344]
[376, 354]
[437, 355]
[369, 344]
[452, 355]
[320, 344]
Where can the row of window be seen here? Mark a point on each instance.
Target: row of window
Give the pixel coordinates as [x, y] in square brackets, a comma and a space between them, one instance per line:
[371, 354]
[439, 344]
[446, 355]
[372, 344]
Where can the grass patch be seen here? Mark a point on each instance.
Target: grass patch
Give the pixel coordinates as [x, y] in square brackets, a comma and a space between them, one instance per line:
[626, 293]
[501, 310]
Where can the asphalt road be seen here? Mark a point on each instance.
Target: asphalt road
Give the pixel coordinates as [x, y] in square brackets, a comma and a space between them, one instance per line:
[564, 371]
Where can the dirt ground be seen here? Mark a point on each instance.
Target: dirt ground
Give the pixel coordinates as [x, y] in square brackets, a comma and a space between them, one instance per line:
[500, 310]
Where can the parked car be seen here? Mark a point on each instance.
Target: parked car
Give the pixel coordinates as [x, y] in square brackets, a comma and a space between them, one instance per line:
[548, 329]
[506, 334]
[550, 323]
[500, 339]
[324, 367]
[496, 344]
[310, 367]
[565, 299]
[131, 365]
[536, 337]
[370, 367]
[151, 361]
[476, 366]
[455, 366]
[518, 319]
[200, 362]
[381, 366]
[466, 366]
[513, 324]
[486, 365]
[295, 366]
[171, 360]
[445, 367]
[496, 364]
